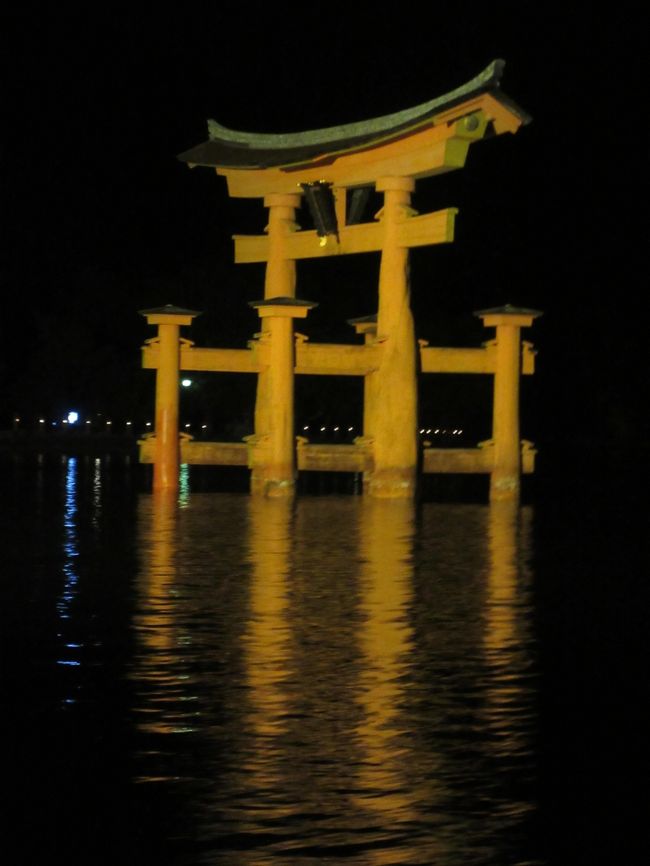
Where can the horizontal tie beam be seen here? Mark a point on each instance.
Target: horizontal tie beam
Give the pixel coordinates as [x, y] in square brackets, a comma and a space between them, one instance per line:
[209, 360]
[333, 359]
[315, 457]
[434, 359]
[414, 231]
[330, 359]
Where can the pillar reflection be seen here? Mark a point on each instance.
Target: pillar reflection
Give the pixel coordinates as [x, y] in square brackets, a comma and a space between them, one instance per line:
[266, 638]
[507, 638]
[265, 664]
[503, 531]
[302, 667]
[386, 777]
[155, 622]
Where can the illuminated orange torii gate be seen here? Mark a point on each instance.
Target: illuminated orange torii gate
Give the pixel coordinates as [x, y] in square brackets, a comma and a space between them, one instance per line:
[330, 168]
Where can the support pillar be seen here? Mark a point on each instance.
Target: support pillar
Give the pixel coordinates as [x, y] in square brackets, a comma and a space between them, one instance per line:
[280, 278]
[505, 478]
[394, 410]
[367, 325]
[167, 441]
[279, 282]
[273, 458]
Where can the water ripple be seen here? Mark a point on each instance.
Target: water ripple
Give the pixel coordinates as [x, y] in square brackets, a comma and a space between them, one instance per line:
[337, 679]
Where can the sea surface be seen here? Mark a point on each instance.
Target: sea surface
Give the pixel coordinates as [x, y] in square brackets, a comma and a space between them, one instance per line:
[209, 678]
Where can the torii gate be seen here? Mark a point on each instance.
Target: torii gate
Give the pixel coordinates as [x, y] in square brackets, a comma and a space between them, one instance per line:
[331, 168]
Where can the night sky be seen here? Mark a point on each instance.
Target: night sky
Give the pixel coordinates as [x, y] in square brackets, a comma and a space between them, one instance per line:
[101, 220]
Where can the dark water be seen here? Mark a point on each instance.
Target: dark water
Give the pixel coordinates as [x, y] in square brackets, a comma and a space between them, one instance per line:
[213, 679]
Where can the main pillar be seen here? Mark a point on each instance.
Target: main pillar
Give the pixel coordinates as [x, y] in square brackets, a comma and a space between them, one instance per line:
[367, 325]
[167, 448]
[279, 282]
[273, 447]
[394, 403]
[505, 477]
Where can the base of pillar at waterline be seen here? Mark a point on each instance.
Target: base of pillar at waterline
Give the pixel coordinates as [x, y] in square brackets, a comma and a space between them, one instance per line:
[272, 487]
[165, 478]
[391, 483]
[505, 488]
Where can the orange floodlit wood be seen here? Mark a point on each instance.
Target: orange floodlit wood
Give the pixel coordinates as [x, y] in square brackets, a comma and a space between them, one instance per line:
[327, 169]
[169, 319]
[414, 231]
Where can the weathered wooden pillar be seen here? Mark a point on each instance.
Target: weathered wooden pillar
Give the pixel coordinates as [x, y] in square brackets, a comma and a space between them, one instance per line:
[167, 448]
[279, 281]
[394, 403]
[367, 325]
[505, 478]
[273, 449]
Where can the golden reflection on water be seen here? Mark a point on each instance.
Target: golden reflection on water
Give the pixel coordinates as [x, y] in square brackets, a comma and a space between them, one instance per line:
[267, 635]
[505, 639]
[155, 622]
[327, 742]
[385, 773]
[386, 541]
[501, 619]
[299, 664]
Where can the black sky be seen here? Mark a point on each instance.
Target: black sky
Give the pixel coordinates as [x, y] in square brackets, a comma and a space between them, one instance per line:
[101, 220]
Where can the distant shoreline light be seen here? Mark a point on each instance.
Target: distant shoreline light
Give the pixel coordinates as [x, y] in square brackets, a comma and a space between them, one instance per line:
[73, 417]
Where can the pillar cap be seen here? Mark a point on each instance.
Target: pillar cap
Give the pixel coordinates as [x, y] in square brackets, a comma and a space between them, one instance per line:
[169, 315]
[363, 320]
[364, 324]
[509, 310]
[403, 184]
[282, 306]
[508, 315]
[284, 199]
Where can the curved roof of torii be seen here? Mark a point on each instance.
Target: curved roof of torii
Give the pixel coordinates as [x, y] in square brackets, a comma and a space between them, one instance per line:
[249, 150]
